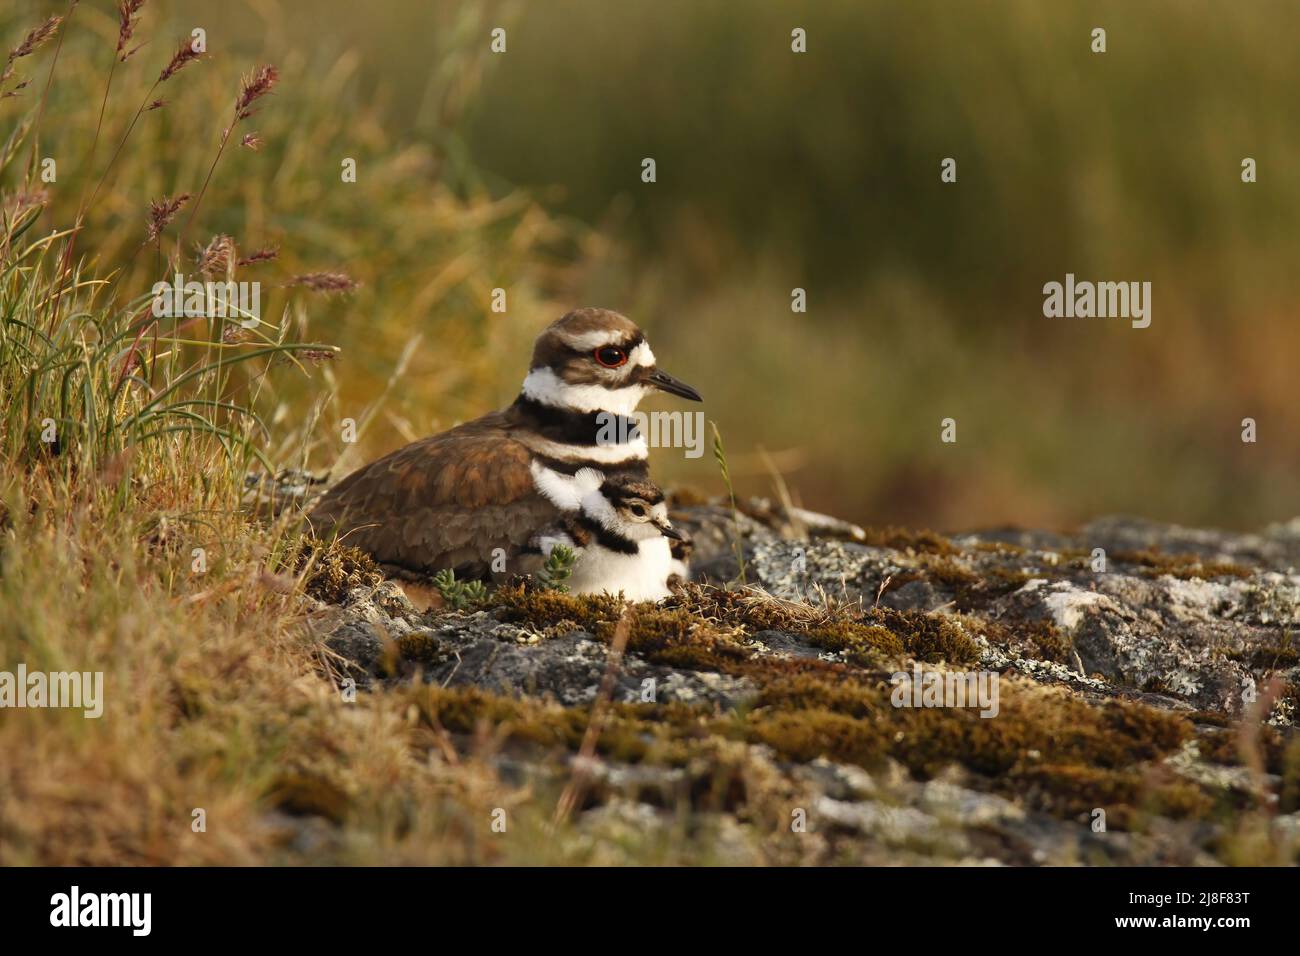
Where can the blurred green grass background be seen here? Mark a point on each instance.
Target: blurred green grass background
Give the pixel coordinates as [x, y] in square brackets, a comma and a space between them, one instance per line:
[818, 171]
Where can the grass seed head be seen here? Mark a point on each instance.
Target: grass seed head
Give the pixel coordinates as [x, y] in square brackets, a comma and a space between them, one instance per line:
[256, 85]
[185, 55]
[328, 282]
[161, 213]
[128, 12]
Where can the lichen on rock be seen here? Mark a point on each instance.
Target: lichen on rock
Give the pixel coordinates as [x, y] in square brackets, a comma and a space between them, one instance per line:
[1156, 696]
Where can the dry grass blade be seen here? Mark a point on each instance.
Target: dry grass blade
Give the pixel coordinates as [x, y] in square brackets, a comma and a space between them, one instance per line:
[265, 254]
[256, 85]
[582, 762]
[720, 456]
[1248, 738]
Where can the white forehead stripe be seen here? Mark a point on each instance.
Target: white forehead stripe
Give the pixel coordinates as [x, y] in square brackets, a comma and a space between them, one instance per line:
[590, 341]
[543, 385]
[641, 355]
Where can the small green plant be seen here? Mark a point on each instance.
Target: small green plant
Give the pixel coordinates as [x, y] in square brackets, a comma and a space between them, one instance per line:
[720, 456]
[557, 569]
[459, 595]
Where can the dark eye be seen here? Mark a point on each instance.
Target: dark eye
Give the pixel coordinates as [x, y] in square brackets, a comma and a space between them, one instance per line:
[611, 357]
[638, 511]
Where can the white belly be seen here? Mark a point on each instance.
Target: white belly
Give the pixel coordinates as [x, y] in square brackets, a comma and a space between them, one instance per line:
[641, 577]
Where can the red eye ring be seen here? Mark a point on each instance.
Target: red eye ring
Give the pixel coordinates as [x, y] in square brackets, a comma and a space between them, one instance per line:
[610, 356]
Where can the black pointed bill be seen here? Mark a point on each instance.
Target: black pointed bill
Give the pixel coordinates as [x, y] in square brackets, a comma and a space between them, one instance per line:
[668, 531]
[666, 383]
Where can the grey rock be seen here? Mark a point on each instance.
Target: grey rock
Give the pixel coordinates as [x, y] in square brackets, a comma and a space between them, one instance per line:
[1182, 643]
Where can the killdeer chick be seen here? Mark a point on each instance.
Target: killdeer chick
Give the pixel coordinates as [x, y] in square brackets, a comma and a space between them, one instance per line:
[620, 534]
[473, 498]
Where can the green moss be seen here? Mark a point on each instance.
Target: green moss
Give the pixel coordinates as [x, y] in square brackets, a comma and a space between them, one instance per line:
[908, 539]
[669, 636]
[926, 636]
[542, 607]
[997, 547]
[859, 643]
[1005, 580]
[336, 569]
[1072, 790]
[948, 573]
[1049, 641]
[868, 634]
[1052, 740]
[304, 794]
[703, 623]
[812, 686]
[1221, 747]
[1059, 752]
[1046, 641]
[423, 648]
[1184, 566]
[1281, 654]
[808, 734]
[972, 590]
[1232, 748]
[756, 610]
[632, 733]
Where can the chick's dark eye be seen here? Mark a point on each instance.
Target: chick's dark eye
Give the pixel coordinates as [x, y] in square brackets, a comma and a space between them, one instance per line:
[611, 357]
[638, 510]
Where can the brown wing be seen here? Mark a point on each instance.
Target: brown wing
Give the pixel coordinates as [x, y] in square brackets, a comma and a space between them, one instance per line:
[447, 501]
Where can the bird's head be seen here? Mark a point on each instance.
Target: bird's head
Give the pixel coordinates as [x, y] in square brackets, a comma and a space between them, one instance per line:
[594, 360]
[632, 507]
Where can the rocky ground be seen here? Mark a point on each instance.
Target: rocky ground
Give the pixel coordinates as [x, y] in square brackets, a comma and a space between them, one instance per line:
[1147, 681]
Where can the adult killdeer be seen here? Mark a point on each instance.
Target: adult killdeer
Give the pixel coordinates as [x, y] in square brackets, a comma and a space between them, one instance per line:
[474, 498]
[620, 535]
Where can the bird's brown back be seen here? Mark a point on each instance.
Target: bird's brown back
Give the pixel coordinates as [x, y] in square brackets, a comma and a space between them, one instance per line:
[447, 501]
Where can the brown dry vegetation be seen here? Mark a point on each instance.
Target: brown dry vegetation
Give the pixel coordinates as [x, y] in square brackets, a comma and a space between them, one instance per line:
[215, 695]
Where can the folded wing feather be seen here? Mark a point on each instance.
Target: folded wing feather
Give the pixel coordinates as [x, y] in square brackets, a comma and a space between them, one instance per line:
[448, 501]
